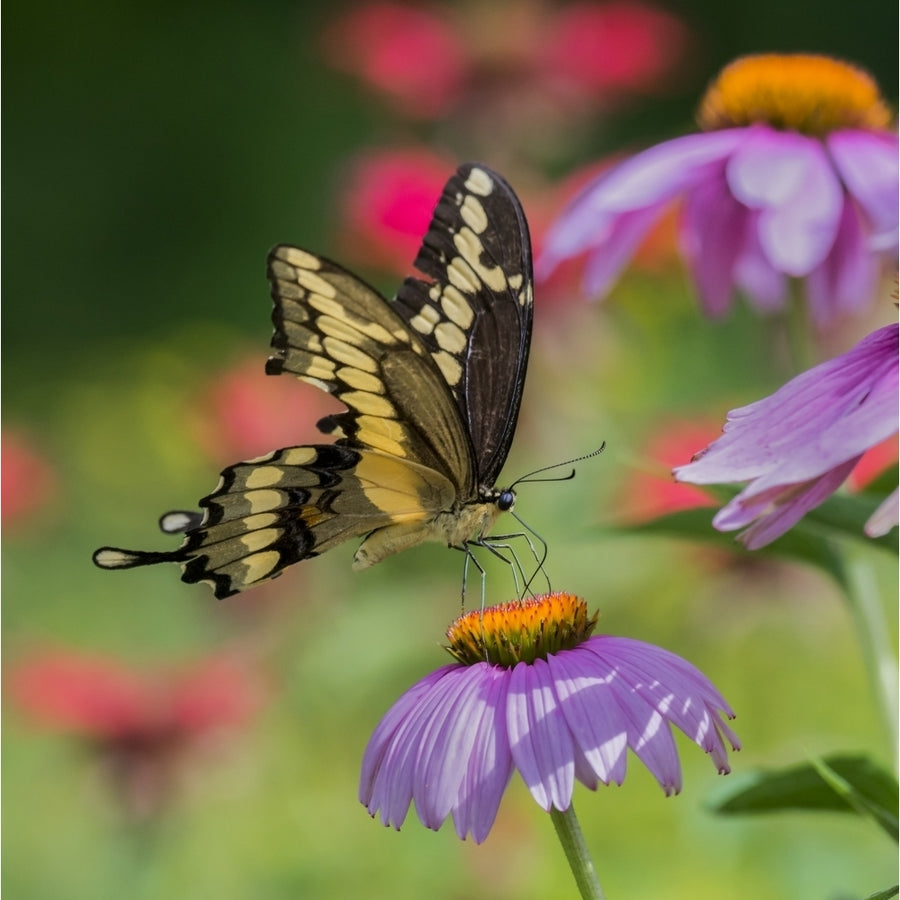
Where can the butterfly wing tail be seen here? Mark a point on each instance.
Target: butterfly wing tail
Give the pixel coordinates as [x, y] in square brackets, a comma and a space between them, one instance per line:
[116, 558]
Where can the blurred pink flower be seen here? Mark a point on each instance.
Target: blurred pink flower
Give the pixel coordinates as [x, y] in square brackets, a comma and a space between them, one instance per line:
[797, 446]
[648, 494]
[386, 205]
[795, 176]
[874, 462]
[412, 54]
[616, 46]
[28, 481]
[431, 59]
[243, 413]
[142, 724]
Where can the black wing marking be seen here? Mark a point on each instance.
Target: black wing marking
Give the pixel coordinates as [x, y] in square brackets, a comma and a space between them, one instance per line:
[475, 317]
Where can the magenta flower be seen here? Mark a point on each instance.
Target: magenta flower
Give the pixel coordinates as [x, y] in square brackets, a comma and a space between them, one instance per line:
[241, 412]
[521, 60]
[796, 447]
[29, 485]
[144, 728]
[551, 701]
[795, 176]
[386, 204]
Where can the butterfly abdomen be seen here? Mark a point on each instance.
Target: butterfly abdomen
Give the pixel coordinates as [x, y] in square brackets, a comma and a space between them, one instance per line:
[455, 528]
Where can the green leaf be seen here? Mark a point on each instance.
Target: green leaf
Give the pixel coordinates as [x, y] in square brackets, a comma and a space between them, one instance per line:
[836, 783]
[796, 544]
[886, 894]
[841, 516]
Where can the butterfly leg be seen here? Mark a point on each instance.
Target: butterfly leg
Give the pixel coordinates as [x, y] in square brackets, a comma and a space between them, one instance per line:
[502, 542]
[493, 546]
[470, 557]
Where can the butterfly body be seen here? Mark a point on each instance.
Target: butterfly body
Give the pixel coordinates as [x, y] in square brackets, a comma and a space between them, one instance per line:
[432, 382]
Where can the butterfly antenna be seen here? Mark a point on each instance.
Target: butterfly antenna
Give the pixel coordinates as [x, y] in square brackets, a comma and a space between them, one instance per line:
[525, 479]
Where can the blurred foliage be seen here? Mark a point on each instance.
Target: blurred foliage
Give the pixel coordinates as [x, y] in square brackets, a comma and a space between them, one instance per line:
[153, 154]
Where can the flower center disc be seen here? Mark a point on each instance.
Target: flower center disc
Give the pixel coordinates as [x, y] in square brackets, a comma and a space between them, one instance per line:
[521, 631]
[814, 95]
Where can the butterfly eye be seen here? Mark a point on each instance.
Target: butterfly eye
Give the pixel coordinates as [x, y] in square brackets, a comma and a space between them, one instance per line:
[506, 501]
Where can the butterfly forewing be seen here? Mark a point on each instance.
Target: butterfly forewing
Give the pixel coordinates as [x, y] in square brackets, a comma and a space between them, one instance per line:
[334, 331]
[475, 316]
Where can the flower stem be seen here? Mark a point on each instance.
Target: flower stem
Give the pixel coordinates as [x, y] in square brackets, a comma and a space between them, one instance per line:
[569, 832]
[865, 606]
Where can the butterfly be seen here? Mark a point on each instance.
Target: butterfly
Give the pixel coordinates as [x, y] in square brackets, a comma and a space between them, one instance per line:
[432, 383]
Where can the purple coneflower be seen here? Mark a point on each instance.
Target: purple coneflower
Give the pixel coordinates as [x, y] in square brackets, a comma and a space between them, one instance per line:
[798, 445]
[533, 691]
[794, 175]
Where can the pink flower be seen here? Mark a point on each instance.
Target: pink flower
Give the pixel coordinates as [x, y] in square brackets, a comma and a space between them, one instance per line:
[609, 47]
[796, 177]
[243, 413]
[433, 60]
[650, 491]
[873, 463]
[387, 201]
[29, 482]
[533, 692]
[143, 725]
[797, 446]
[413, 55]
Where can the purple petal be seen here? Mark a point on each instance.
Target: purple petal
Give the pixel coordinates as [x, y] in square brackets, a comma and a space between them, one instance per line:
[585, 695]
[776, 511]
[648, 733]
[765, 286]
[713, 229]
[445, 744]
[867, 164]
[814, 423]
[679, 691]
[643, 182]
[539, 739]
[845, 280]
[386, 780]
[789, 178]
[490, 764]
[621, 239]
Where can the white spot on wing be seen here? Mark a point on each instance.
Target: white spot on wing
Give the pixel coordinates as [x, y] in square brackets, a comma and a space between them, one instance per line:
[450, 337]
[297, 257]
[479, 182]
[449, 366]
[473, 214]
[456, 307]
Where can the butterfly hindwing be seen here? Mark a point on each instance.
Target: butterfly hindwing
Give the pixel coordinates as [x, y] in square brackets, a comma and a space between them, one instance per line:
[432, 382]
[299, 502]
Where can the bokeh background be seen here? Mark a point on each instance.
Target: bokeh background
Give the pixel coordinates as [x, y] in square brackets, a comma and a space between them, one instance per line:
[153, 154]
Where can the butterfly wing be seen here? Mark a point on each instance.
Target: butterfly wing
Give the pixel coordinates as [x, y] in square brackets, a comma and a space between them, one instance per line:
[293, 504]
[475, 316]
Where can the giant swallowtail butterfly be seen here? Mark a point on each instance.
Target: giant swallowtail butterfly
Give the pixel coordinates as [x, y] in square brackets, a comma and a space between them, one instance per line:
[432, 382]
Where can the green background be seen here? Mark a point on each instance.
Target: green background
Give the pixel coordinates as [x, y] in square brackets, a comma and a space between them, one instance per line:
[153, 154]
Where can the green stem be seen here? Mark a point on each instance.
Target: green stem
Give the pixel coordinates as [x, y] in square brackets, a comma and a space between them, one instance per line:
[569, 832]
[871, 628]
